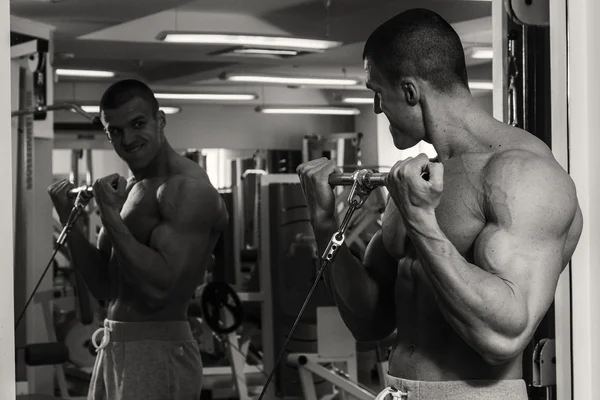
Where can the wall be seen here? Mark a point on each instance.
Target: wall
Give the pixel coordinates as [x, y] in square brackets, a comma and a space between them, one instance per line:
[559, 101]
[7, 338]
[584, 163]
[364, 123]
[240, 127]
[227, 125]
[34, 224]
[104, 162]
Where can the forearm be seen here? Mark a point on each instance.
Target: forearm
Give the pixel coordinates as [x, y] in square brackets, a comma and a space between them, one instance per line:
[88, 261]
[480, 306]
[145, 265]
[354, 291]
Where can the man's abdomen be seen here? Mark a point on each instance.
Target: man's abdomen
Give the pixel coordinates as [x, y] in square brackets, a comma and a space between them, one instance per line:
[132, 306]
[428, 348]
[127, 310]
[445, 360]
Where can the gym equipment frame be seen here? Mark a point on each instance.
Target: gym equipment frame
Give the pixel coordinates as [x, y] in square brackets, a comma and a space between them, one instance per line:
[335, 346]
[31, 139]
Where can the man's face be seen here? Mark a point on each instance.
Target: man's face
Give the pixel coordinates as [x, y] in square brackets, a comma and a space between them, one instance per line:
[405, 119]
[134, 131]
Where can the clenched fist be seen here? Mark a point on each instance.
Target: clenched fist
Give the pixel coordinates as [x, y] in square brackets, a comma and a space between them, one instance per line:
[58, 192]
[110, 192]
[319, 195]
[416, 185]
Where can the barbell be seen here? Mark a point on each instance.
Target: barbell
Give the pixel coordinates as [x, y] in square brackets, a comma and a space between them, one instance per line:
[364, 177]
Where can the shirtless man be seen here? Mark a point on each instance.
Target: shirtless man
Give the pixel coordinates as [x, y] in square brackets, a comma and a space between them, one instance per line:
[159, 231]
[467, 262]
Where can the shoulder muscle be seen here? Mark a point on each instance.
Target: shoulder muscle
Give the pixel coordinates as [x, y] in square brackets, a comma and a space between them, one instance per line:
[527, 191]
[130, 184]
[191, 201]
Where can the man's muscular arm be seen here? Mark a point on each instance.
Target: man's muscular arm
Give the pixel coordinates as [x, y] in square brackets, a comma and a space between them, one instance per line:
[363, 292]
[94, 268]
[89, 262]
[496, 304]
[191, 209]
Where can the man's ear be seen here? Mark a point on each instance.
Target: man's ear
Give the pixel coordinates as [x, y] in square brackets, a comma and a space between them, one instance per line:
[411, 91]
[162, 119]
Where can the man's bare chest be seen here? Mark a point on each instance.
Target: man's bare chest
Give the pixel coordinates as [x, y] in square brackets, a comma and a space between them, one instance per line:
[461, 219]
[459, 215]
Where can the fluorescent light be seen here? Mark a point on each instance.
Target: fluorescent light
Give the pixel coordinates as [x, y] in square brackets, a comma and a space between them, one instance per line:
[85, 73]
[309, 110]
[96, 109]
[170, 110]
[481, 85]
[291, 80]
[482, 53]
[91, 109]
[247, 40]
[358, 100]
[271, 52]
[206, 96]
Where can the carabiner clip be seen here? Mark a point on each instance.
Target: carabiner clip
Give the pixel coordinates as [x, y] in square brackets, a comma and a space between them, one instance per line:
[358, 192]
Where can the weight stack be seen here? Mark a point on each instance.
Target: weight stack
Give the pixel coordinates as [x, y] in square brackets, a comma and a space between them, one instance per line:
[294, 263]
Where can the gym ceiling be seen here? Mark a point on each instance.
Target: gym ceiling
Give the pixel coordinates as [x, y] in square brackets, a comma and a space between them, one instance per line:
[123, 36]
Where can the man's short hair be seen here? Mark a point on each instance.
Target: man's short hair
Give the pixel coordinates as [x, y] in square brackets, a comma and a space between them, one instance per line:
[418, 43]
[124, 91]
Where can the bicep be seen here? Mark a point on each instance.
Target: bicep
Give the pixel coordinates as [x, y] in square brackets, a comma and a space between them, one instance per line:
[180, 247]
[379, 264]
[528, 258]
[191, 219]
[187, 233]
[529, 265]
[103, 245]
[530, 207]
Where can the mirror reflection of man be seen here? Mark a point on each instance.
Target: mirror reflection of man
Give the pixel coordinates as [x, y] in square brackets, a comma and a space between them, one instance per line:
[159, 229]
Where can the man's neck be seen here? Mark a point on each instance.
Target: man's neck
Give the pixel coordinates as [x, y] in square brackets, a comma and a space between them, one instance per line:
[159, 166]
[455, 126]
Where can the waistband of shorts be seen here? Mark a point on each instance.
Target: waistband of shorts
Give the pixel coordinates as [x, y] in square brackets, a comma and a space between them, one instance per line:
[468, 389]
[171, 331]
